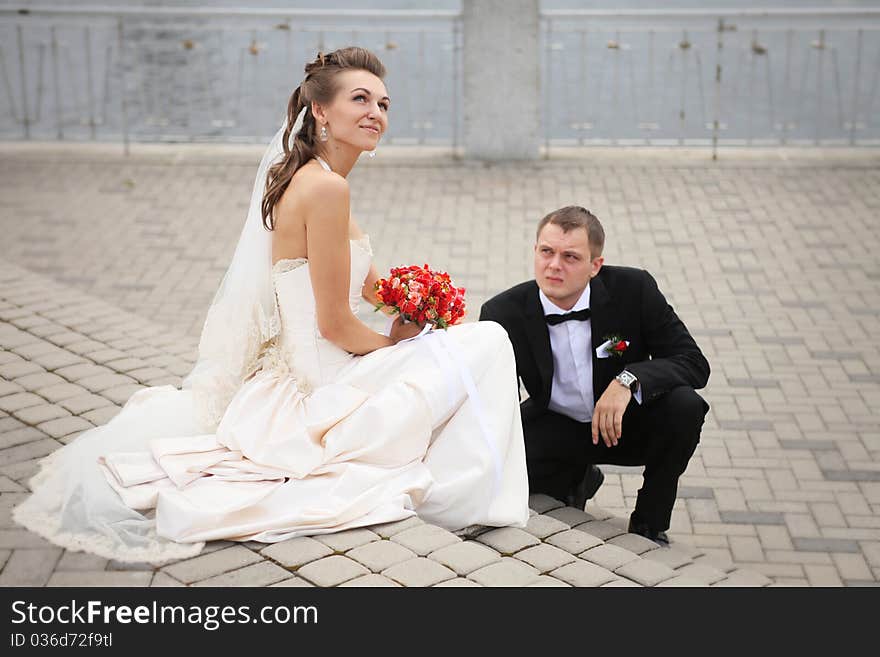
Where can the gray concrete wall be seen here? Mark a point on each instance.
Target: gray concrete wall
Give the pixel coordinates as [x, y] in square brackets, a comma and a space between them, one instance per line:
[501, 79]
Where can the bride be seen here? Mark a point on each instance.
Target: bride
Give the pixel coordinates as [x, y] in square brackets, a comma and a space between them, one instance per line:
[298, 419]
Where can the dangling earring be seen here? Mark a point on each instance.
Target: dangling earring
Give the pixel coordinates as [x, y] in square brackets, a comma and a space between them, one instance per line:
[323, 136]
[372, 153]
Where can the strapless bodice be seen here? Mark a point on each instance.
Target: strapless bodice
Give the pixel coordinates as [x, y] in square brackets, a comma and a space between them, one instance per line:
[300, 348]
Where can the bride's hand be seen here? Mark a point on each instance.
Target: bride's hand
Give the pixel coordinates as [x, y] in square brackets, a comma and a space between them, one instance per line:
[403, 331]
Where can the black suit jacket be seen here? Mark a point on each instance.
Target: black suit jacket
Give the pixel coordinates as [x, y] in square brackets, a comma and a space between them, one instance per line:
[623, 301]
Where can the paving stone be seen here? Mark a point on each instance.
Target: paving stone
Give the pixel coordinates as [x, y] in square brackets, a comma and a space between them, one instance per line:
[62, 391]
[545, 581]
[294, 582]
[621, 582]
[29, 567]
[424, 539]
[19, 400]
[164, 580]
[99, 578]
[543, 503]
[348, 539]
[702, 572]
[601, 529]
[541, 526]
[634, 543]
[295, 552]
[105, 382]
[36, 415]
[55, 360]
[379, 555]
[9, 388]
[12, 371]
[670, 556]
[574, 541]
[610, 557]
[682, 581]
[7, 485]
[458, 582]
[79, 371]
[418, 572]
[508, 540]
[332, 570]
[84, 403]
[32, 450]
[64, 426]
[4, 557]
[370, 581]
[465, 557]
[208, 565]
[583, 573]
[507, 572]
[20, 436]
[545, 558]
[101, 416]
[743, 578]
[39, 380]
[645, 572]
[121, 394]
[263, 573]
[804, 544]
[81, 561]
[570, 516]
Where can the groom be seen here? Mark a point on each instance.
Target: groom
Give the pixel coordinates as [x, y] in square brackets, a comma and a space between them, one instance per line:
[610, 371]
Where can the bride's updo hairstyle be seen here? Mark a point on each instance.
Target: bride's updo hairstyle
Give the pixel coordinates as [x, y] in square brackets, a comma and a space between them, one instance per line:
[319, 86]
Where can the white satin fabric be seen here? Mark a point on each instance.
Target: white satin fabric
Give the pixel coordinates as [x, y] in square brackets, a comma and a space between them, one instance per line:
[317, 441]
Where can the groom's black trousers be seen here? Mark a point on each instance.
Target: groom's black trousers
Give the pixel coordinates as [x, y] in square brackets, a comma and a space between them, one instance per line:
[661, 435]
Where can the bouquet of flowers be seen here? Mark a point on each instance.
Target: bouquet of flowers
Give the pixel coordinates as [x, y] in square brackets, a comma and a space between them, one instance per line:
[422, 295]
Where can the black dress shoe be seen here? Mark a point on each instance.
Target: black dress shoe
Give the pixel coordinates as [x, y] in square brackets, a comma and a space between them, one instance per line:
[579, 494]
[640, 528]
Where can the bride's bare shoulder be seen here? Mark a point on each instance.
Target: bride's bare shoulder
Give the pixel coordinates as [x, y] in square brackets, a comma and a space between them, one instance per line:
[312, 191]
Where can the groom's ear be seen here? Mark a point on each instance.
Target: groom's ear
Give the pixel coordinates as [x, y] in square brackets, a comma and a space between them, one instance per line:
[596, 265]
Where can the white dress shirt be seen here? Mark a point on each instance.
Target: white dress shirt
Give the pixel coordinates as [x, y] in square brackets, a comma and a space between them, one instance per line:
[572, 346]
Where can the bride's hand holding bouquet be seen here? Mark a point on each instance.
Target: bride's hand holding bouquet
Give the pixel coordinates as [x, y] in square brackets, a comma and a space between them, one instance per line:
[420, 297]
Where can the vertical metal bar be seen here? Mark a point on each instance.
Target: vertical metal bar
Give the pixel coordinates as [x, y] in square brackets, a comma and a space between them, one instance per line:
[787, 84]
[457, 80]
[38, 103]
[835, 74]
[681, 110]
[548, 93]
[59, 119]
[615, 94]
[422, 75]
[122, 84]
[768, 69]
[23, 71]
[716, 109]
[105, 95]
[583, 89]
[855, 102]
[751, 94]
[89, 90]
[819, 95]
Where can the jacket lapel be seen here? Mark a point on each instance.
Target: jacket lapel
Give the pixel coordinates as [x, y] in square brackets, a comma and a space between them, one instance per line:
[539, 340]
[600, 323]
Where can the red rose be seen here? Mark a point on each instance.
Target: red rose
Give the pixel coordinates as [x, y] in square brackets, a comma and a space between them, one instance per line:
[620, 347]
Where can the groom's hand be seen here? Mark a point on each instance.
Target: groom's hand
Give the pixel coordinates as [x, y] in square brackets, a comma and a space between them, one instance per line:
[608, 414]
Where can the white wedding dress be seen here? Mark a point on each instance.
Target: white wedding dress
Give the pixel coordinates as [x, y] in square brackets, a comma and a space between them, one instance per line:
[318, 440]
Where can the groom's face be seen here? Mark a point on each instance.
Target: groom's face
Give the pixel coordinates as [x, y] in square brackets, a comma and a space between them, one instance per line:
[563, 265]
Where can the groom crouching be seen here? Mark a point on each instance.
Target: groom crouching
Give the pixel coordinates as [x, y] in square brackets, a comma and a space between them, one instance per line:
[610, 371]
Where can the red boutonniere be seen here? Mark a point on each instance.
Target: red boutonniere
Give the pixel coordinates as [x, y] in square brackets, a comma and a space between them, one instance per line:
[616, 346]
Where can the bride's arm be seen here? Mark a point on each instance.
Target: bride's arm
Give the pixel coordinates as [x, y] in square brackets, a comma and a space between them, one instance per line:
[329, 252]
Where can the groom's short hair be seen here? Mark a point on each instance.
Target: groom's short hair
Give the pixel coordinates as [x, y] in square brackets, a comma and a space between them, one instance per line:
[574, 216]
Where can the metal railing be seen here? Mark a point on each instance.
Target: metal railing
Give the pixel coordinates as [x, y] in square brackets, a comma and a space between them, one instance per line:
[211, 74]
[723, 77]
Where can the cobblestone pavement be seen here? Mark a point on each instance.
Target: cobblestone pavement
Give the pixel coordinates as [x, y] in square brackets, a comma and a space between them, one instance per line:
[107, 265]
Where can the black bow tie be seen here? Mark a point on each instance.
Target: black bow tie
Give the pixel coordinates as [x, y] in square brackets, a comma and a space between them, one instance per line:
[579, 315]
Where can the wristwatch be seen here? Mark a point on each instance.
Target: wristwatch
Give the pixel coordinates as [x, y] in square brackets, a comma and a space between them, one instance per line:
[628, 379]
